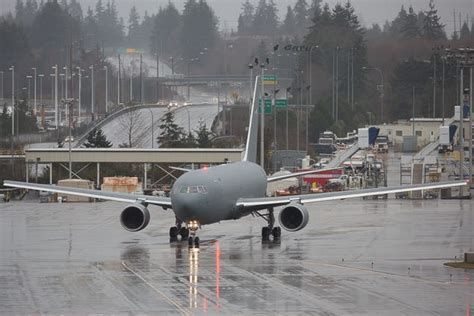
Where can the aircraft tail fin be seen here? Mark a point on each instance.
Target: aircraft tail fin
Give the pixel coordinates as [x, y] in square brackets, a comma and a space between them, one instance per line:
[252, 134]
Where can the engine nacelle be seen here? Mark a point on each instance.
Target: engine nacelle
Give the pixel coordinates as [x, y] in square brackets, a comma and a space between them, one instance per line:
[293, 217]
[135, 217]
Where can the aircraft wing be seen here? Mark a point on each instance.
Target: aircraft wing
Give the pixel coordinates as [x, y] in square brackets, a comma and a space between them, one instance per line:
[164, 202]
[262, 203]
[297, 174]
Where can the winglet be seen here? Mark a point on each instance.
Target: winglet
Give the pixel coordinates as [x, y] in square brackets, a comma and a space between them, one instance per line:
[252, 134]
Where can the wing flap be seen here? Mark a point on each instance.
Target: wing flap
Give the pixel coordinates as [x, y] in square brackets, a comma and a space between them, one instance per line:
[96, 194]
[261, 203]
[298, 174]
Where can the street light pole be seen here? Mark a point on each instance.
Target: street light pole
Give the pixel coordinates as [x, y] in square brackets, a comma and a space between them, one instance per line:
[92, 91]
[152, 128]
[41, 76]
[262, 119]
[79, 95]
[381, 89]
[106, 88]
[12, 69]
[29, 86]
[35, 109]
[1, 76]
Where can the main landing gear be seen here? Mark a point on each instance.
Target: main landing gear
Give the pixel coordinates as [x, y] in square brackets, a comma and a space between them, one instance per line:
[275, 232]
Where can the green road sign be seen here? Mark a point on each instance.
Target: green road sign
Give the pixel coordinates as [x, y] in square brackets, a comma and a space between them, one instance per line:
[269, 78]
[281, 103]
[268, 106]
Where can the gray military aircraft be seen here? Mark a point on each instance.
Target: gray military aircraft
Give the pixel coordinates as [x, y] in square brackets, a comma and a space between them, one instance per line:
[225, 192]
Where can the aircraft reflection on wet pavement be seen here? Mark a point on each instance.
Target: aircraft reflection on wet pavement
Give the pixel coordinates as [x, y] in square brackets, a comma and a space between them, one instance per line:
[226, 192]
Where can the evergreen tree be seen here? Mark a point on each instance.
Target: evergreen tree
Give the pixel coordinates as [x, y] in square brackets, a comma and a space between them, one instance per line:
[289, 25]
[30, 11]
[167, 24]
[432, 27]
[465, 34]
[265, 19]
[246, 18]
[171, 135]
[410, 29]
[20, 11]
[14, 48]
[199, 29]
[301, 16]
[314, 10]
[53, 27]
[97, 139]
[75, 10]
[133, 27]
[203, 136]
[396, 27]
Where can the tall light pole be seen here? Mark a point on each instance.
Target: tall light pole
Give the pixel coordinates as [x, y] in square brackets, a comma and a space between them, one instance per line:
[35, 109]
[79, 70]
[131, 82]
[29, 86]
[1, 77]
[381, 89]
[106, 88]
[12, 69]
[262, 118]
[41, 76]
[152, 128]
[92, 91]
[310, 57]
[56, 114]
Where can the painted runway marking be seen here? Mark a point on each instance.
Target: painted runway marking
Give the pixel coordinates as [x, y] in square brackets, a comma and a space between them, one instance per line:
[167, 298]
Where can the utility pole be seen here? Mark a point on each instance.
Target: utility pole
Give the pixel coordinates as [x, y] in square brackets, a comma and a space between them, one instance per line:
[106, 88]
[92, 92]
[56, 118]
[1, 76]
[262, 119]
[35, 109]
[12, 69]
[434, 85]
[118, 80]
[79, 95]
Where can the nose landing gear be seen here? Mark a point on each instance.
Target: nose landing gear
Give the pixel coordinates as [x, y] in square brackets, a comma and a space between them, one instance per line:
[178, 230]
[193, 240]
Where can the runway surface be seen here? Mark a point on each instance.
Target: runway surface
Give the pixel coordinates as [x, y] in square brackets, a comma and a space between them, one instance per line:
[355, 257]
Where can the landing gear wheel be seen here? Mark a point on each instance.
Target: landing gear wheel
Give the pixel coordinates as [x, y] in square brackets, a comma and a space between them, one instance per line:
[196, 242]
[276, 232]
[266, 233]
[173, 232]
[190, 242]
[184, 232]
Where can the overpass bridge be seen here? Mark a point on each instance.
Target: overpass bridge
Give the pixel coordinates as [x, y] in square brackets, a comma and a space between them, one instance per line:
[161, 157]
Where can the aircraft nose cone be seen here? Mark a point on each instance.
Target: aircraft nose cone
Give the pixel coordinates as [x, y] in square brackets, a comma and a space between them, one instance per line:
[187, 207]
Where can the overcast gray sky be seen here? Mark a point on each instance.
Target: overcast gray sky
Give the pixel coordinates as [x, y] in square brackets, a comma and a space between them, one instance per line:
[370, 11]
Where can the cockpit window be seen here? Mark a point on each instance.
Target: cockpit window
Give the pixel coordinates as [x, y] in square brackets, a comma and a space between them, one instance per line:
[201, 189]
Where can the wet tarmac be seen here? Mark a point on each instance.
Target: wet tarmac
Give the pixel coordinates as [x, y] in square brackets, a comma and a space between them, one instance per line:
[382, 257]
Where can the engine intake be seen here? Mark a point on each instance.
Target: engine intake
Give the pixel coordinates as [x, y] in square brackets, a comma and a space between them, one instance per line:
[293, 217]
[135, 217]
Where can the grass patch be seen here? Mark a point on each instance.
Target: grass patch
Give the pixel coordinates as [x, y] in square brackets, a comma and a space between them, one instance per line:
[460, 265]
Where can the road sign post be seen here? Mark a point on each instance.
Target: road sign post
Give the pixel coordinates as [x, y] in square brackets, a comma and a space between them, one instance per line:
[268, 106]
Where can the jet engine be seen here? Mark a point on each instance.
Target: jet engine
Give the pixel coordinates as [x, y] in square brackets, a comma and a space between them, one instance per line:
[135, 217]
[293, 217]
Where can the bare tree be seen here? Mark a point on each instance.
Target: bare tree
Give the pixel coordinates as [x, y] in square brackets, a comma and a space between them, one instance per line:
[131, 123]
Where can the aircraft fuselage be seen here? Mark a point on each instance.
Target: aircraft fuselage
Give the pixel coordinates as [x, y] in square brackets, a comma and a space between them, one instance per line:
[210, 195]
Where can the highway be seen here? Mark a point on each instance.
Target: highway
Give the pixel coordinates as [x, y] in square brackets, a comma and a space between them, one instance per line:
[116, 130]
